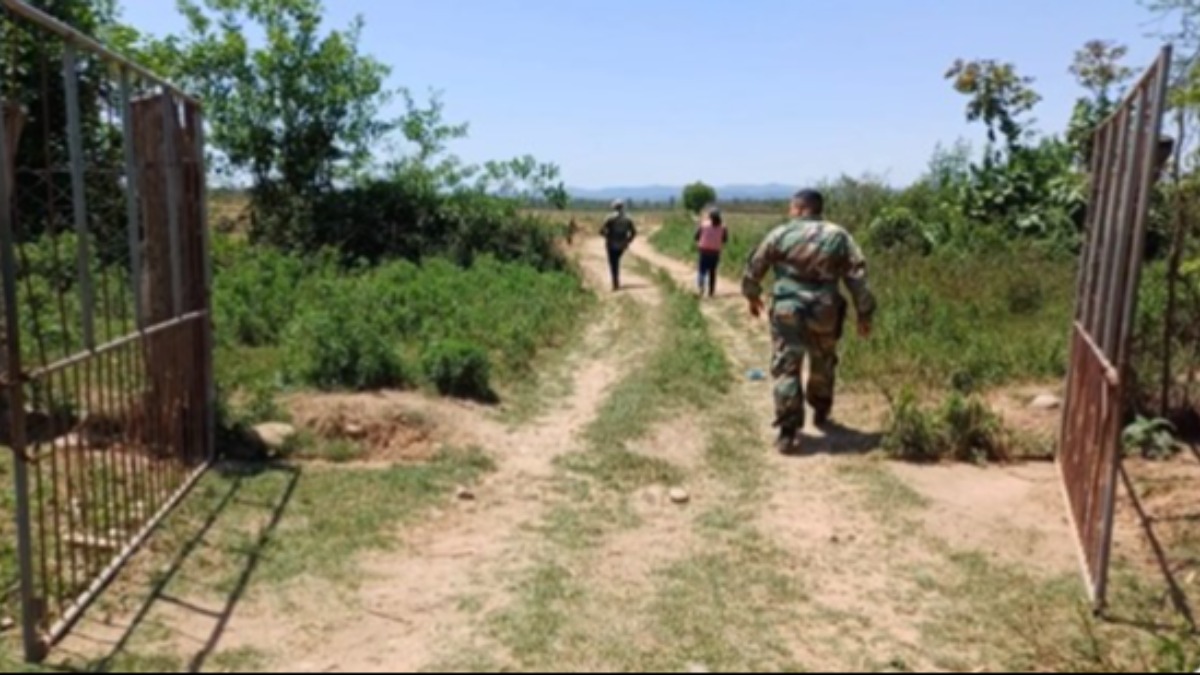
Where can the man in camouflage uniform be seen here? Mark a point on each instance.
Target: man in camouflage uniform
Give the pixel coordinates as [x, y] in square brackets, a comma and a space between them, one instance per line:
[618, 232]
[809, 256]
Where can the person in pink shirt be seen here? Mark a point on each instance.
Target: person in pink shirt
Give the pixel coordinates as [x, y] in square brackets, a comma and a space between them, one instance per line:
[711, 238]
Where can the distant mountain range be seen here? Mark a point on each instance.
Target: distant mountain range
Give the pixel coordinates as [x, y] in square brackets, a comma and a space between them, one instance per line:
[660, 193]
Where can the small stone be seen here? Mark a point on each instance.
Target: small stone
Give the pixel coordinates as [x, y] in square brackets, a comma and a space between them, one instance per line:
[7, 624]
[698, 668]
[355, 431]
[680, 496]
[1046, 402]
[835, 540]
[275, 435]
[465, 495]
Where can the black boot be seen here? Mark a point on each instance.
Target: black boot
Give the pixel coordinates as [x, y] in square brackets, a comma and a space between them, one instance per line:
[821, 417]
[788, 441]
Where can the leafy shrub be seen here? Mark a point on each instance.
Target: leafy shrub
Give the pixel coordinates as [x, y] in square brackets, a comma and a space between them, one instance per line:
[356, 327]
[343, 341]
[458, 369]
[407, 218]
[963, 429]
[898, 228]
[256, 290]
[1153, 439]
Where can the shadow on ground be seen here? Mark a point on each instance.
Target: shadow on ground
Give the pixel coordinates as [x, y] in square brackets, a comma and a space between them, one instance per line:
[115, 649]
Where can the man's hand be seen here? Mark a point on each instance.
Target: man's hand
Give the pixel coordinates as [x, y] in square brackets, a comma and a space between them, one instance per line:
[756, 308]
[864, 329]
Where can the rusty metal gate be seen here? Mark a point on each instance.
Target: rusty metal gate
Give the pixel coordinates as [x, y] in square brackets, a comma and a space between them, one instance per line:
[1124, 165]
[107, 398]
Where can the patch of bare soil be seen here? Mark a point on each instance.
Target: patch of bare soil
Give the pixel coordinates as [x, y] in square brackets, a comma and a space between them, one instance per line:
[389, 427]
[1156, 526]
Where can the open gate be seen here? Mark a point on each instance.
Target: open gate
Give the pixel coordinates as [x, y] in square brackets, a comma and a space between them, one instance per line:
[1124, 164]
[107, 400]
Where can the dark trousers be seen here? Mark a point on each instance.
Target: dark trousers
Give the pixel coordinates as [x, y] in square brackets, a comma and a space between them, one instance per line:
[614, 265]
[709, 262]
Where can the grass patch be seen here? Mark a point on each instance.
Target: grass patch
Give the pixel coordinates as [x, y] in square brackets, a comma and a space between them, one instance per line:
[686, 368]
[1013, 622]
[884, 493]
[326, 518]
[734, 454]
[238, 661]
[622, 470]
[723, 610]
[531, 629]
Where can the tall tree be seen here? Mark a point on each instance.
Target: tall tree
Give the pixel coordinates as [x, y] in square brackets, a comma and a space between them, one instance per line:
[1098, 68]
[296, 114]
[998, 96]
[698, 195]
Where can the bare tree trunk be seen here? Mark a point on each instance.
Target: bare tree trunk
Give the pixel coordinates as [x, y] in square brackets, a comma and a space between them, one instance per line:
[1174, 265]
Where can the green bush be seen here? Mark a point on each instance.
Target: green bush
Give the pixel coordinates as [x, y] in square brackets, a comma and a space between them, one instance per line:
[458, 369]
[343, 341]
[410, 219]
[356, 327]
[898, 228]
[963, 429]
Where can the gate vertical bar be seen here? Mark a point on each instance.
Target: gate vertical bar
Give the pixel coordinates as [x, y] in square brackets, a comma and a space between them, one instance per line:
[210, 381]
[79, 194]
[174, 178]
[131, 200]
[30, 616]
[1148, 167]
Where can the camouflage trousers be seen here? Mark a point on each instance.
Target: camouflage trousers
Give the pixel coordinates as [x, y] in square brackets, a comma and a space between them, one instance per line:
[799, 330]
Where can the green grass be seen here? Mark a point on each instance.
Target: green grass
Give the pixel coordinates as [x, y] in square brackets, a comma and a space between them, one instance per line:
[686, 368]
[332, 515]
[1016, 622]
[969, 322]
[884, 493]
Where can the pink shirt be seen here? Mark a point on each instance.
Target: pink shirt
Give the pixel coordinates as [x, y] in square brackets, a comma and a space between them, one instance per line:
[712, 239]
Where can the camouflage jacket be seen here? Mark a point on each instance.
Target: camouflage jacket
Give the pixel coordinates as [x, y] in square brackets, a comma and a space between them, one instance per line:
[809, 258]
[618, 230]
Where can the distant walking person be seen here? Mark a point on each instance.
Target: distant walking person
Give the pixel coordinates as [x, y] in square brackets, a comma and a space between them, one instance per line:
[711, 238]
[618, 232]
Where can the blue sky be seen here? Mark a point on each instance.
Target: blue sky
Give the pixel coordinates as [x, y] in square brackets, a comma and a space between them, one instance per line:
[633, 92]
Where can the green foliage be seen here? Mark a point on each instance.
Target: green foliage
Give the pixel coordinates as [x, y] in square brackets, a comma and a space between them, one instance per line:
[297, 114]
[898, 228]
[999, 97]
[991, 313]
[412, 218]
[343, 341]
[963, 429]
[697, 196]
[458, 369]
[1153, 439]
[361, 327]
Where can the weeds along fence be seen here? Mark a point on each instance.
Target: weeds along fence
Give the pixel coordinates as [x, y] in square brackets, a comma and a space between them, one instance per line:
[107, 400]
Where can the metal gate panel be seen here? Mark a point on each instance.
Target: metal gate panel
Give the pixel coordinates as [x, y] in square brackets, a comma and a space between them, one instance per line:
[107, 400]
[1123, 176]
